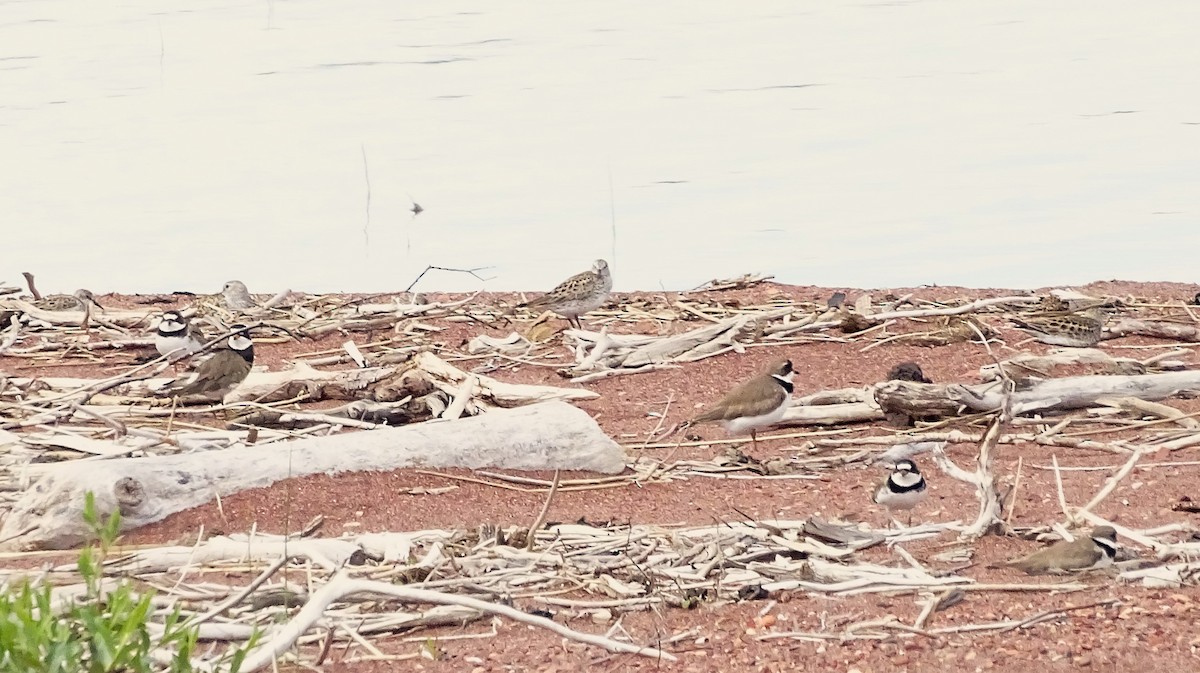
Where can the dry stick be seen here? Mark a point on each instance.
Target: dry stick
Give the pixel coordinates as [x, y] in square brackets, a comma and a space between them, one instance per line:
[1041, 616]
[1012, 501]
[541, 517]
[444, 268]
[1144, 540]
[1062, 497]
[341, 586]
[1111, 484]
[1132, 425]
[982, 478]
[241, 595]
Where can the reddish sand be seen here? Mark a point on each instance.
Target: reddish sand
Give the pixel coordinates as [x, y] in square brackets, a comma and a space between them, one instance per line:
[1150, 630]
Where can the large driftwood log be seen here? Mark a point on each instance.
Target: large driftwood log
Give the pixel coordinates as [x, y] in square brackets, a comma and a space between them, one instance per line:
[632, 351]
[1094, 359]
[1073, 392]
[832, 414]
[123, 318]
[548, 436]
[1160, 329]
[381, 384]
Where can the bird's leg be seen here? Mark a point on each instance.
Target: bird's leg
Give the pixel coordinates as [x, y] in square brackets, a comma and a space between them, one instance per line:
[754, 441]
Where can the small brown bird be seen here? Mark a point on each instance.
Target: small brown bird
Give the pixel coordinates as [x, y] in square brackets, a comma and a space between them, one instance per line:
[908, 371]
[1076, 330]
[228, 367]
[758, 403]
[577, 295]
[81, 300]
[1083, 553]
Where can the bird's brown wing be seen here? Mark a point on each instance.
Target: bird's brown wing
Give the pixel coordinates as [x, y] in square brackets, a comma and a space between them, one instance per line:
[1075, 555]
[568, 289]
[756, 397]
[223, 371]
[196, 332]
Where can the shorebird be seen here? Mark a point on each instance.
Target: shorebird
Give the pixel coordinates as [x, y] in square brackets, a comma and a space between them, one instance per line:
[577, 295]
[1083, 553]
[235, 296]
[1076, 330]
[177, 337]
[228, 367]
[756, 404]
[81, 300]
[903, 489]
[908, 371]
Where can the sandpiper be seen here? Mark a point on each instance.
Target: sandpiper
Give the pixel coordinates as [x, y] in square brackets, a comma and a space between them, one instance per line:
[577, 295]
[81, 300]
[1075, 330]
[235, 296]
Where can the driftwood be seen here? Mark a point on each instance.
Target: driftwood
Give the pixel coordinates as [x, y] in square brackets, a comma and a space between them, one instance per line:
[832, 414]
[552, 435]
[1154, 328]
[1074, 392]
[426, 373]
[1027, 364]
[607, 351]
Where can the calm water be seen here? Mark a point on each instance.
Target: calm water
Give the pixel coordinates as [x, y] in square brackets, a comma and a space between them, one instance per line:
[153, 145]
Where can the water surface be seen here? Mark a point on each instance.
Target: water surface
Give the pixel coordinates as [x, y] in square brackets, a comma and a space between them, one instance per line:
[153, 146]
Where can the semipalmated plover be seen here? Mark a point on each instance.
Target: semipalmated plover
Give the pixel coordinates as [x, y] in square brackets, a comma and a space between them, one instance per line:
[1083, 553]
[756, 404]
[177, 337]
[228, 367]
[903, 489]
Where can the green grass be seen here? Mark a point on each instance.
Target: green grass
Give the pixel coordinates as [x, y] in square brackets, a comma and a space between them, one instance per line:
[101, 632]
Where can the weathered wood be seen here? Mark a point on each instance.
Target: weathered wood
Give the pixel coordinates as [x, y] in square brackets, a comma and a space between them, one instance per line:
[1155, 328]
[1073, 392]
[546, 436]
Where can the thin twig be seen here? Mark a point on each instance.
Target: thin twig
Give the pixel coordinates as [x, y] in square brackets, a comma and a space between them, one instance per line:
[541, 517]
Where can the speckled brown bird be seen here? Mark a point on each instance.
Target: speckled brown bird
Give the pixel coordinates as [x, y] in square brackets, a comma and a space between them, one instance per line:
[577, 295]
[1076, 330]
[80, 300]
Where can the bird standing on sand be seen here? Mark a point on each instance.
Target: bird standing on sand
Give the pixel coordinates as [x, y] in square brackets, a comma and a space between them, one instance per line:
[577, 295]
[903, 489]
[228, 367]
[756, 404]
[235, 296]
[1083, 553]
[177, 337]
[1076, 330]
